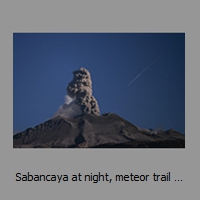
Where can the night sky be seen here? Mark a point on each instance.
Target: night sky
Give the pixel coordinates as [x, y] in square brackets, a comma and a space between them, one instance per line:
[138, 76]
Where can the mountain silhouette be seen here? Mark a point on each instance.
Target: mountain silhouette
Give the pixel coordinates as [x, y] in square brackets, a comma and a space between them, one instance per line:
[95, 131]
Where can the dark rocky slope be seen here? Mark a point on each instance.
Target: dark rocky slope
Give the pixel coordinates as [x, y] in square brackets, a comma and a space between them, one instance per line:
[93, 131]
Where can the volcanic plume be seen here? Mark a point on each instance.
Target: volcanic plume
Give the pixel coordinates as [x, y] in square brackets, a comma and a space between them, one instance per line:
[79, 99]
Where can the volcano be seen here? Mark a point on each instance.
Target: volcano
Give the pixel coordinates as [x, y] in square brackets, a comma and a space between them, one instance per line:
[95, 131]
[78, 124]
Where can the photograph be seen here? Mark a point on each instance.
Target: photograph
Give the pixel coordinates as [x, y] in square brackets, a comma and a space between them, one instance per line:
[99, 90]
[99, 99]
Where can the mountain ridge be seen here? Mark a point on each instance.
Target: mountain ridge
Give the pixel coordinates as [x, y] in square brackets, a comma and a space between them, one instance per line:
[95, 131]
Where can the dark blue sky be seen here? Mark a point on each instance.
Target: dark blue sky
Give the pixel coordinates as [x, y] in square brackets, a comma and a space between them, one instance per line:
[43, 65]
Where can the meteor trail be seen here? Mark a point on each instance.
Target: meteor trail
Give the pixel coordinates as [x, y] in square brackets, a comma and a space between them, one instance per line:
[143, 71]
